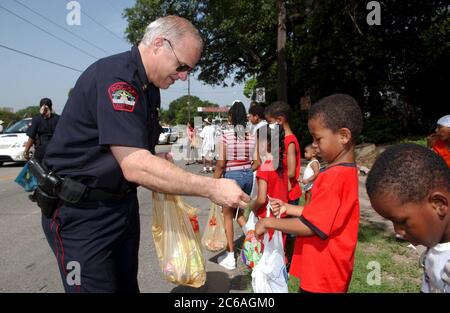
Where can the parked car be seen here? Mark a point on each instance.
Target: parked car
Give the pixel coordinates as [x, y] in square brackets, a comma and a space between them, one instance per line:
[13, 140]
[168, 135]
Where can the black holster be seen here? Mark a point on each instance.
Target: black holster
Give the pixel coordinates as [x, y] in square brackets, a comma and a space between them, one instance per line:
[52, 190]
[48, 186]
[46, 202]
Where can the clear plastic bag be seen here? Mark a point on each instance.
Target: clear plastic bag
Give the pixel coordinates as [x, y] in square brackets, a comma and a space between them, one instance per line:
[214, 238]
[270, 274]
[192, 214]
[179, 252]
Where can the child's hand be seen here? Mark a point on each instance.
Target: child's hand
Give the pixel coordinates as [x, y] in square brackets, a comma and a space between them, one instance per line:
[278, 206]
[260, 227]
[305, 181]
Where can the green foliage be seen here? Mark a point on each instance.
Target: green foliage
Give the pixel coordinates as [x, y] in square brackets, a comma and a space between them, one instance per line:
[179, 110]
[28, 112]
[7, 118]
[249, 88]
[330, 48]
[380, 130]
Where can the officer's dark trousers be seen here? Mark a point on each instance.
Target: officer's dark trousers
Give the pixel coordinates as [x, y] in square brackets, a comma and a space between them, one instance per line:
[99, 242]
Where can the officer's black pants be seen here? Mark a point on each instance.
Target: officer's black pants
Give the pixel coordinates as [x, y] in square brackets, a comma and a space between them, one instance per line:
[99, 242]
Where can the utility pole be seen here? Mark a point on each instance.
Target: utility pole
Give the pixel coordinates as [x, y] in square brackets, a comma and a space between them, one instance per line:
[281, 52]
[189, 95]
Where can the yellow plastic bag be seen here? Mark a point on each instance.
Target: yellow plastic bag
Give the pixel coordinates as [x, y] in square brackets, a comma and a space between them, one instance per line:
[179, 252]
[192, 214]
[214, 238]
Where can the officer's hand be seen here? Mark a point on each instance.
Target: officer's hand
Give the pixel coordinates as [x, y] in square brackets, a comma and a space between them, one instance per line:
[227, 193]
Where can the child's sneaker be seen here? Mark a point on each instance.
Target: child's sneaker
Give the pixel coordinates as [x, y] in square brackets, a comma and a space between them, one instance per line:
[227, 260]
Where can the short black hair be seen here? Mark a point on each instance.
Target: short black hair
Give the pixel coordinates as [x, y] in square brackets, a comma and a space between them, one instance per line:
[256, 110]
[47, 102]
[279, 109]
[407, 171]
[339, 111]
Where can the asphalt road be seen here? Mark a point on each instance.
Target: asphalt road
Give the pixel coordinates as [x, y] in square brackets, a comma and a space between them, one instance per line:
[28, 265]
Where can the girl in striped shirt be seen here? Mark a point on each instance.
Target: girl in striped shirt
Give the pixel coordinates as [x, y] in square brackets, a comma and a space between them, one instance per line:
[237, 160]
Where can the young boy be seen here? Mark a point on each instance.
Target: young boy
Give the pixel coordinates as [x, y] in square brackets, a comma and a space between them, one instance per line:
[327, 227]
[410, 185]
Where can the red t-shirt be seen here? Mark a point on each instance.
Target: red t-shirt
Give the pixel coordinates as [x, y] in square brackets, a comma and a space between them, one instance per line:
[277, 186]
[295, 191]
[324, 261]
[441, 148]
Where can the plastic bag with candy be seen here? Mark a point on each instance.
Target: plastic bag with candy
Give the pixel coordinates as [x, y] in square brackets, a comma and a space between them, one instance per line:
[178, 249]
[252, 248]
[214, 238]
[192, 214]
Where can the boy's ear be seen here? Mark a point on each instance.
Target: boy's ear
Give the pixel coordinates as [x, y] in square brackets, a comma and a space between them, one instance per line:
[345, 135]
[439, 202]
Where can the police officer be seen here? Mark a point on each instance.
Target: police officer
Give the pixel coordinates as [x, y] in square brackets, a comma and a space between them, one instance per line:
[105, 140]
[41, 130]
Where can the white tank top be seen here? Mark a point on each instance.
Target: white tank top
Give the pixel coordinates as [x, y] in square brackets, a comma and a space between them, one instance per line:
[309, 172]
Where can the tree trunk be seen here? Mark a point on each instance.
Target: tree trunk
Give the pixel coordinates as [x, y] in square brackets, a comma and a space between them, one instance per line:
[281, 52]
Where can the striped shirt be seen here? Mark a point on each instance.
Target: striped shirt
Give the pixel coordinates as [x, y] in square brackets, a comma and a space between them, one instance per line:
[239, 151]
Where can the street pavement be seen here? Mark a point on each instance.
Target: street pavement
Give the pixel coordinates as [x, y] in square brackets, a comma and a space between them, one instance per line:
[28, 265]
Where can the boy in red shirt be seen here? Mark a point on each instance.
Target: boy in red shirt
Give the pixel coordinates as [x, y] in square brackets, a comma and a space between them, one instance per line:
[327, 227]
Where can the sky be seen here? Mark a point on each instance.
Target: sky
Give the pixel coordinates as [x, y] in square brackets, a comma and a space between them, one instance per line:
[25, 80]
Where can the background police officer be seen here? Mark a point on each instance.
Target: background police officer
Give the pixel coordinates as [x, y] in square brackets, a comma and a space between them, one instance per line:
[41, 130]
[104, 140]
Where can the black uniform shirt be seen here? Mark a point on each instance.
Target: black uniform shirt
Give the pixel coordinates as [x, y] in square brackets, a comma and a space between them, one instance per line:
[41, 131]
[112, 103]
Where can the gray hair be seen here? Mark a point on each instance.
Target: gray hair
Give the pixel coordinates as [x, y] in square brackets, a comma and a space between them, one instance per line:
[171, 27]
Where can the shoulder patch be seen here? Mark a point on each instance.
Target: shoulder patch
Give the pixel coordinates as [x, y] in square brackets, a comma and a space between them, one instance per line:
[123, 96]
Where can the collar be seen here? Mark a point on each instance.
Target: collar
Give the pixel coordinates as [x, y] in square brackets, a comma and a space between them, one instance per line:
[137, 60]
[344, 164]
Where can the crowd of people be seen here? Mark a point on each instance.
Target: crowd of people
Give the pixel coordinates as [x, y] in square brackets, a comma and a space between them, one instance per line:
[103, 148]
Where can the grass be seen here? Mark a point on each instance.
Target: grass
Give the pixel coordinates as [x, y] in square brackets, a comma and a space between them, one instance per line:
[422, 141]
[399, 265]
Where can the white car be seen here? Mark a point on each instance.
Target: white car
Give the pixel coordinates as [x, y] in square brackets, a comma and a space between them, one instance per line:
[13, 140]
[168, 135]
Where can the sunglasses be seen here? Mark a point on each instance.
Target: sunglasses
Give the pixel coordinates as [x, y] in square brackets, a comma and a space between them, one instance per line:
[182, 67]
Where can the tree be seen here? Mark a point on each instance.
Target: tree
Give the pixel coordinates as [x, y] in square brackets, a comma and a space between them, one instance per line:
[397, 69]
[28, 112]
[7, 118]
[177, 113]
